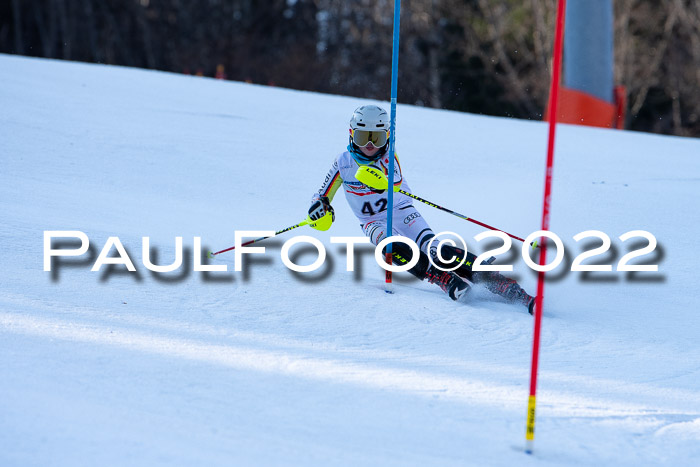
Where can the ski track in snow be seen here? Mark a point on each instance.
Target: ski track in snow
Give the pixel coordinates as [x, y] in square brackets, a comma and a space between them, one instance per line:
[333, 370]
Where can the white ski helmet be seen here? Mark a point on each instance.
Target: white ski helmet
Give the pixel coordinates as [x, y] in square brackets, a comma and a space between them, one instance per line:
[369, 123]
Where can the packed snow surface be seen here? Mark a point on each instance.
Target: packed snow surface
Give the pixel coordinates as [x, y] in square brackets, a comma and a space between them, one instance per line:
[270, 367]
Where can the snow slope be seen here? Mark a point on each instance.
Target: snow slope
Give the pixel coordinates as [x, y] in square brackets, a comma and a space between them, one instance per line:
[269, 367]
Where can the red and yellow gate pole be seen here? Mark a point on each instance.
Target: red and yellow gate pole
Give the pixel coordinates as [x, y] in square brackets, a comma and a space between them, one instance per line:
[554, 94]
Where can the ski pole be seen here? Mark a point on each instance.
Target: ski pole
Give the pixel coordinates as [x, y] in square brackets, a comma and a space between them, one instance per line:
[249, 242]
[461, 216]
[374, 178]
[323, 223]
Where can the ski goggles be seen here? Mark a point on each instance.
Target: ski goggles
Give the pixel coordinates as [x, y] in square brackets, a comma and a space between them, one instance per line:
[362, 138]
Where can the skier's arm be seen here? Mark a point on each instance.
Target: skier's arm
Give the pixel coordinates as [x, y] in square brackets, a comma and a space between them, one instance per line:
[321, 200]
[330, 184]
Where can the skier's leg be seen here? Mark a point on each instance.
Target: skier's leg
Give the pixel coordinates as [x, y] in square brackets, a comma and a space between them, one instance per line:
[420, 232]
[409, 223]
[493, 281]
[401, 253]
[448, 281]
[457, 256]
[505, 287]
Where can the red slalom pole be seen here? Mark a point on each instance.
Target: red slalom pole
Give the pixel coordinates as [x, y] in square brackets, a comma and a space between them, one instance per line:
[554, 97]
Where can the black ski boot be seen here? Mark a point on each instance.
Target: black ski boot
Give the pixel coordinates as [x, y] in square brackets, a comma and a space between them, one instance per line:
[448, 281]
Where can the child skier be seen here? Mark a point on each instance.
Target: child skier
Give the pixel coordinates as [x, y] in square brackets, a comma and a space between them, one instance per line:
[369, 135]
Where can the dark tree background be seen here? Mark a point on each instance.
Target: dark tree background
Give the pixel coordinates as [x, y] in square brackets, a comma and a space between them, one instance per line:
[482, 56]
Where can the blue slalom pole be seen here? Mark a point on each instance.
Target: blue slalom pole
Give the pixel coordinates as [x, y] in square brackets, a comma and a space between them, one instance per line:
[392, 135]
